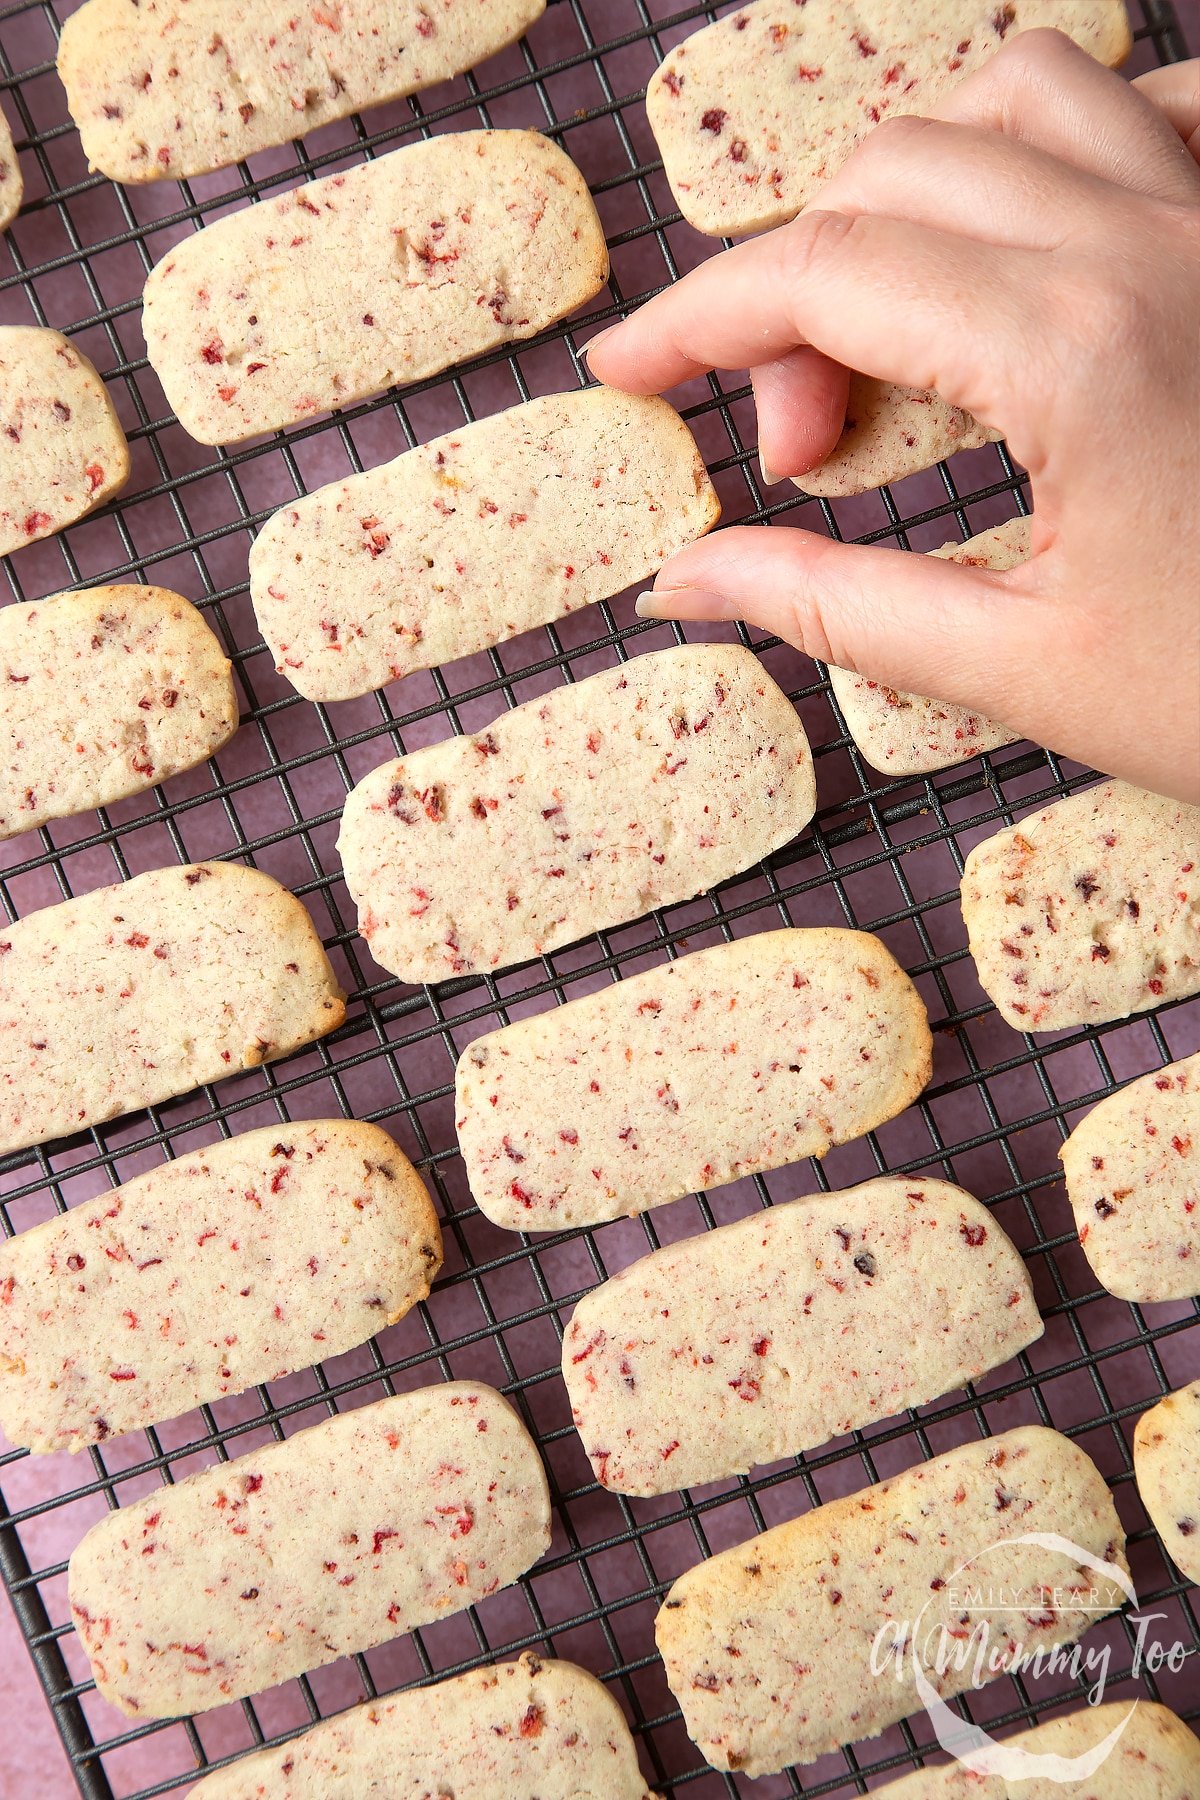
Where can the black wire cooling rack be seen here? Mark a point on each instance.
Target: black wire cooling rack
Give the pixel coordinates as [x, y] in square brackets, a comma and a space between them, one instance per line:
[881, 855]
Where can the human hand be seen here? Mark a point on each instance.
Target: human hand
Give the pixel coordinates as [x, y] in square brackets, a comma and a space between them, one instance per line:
[1033, 255]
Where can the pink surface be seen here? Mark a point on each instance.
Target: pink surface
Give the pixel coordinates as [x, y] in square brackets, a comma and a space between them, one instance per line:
[980, 1088]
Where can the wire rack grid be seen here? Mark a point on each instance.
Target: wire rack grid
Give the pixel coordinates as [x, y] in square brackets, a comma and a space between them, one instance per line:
[882, 855]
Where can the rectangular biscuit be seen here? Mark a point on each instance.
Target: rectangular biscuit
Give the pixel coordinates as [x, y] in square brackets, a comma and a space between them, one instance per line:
[639, 787]
[753, 113]
[890, 432]
[1132, 1168]
[12, 187]
[391, 271]
[103, 693]
[1088, 911]
[770, 1647]
[352, 1532]
[1166, 1462]
[132, 994]
[475, 537]
[906, 734]
[514, 1731]
[166, 89]
[62, 450]
[774, 1334]
[230, 1266]
[1155, 1756]
[717, 1065]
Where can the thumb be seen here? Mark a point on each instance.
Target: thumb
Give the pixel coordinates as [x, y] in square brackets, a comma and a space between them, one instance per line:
[917, 623]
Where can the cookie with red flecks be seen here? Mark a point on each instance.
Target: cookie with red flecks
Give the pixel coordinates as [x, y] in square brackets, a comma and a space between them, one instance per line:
[132, 994]
[639, 787]
[368, 1525]
[806, 1637]
[62, 450]
[476, 536]
[1133, 1179]
[229, 1266]
[753, 113]
[103, 693]
[1154, 1756]
[1166, 1462]
[378, 275]
[1089, 910]
[714, 1066]
[769, 1336]
[890, 432]
[166, 89]
[516, 1729]
[907, 734]
[12, 187]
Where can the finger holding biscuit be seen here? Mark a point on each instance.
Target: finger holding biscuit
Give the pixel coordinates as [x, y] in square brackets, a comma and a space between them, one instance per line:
[1031, 255]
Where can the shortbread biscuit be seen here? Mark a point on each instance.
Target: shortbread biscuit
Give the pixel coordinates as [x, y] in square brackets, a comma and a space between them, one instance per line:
[637, 788]
[769, 1647]
[354, 1531]
[1133, 1179]
[173, 88]
[891, 432]
[62, 450]
[753, 113]
[1156, 1757]
[102, 694]
[475, 537]
[132, 994]
[717, 1065]
[1088, 911]
[517, 1730]
[230, 1266]
[12, 187]
[391, 271]
[1166, 1462]
[770, 1336]
[905, 734]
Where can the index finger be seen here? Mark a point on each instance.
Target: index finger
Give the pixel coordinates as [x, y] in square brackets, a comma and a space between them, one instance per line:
[733, 312]
[897, 301]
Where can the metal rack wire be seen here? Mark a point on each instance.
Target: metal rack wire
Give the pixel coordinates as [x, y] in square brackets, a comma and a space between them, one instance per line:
[881, 855]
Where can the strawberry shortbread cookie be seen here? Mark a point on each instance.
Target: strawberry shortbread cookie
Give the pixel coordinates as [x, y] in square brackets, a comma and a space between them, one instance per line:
[475, 537]
[905, 734]
[517, 1730]
[132, 994]
[753, 113]
[229, 1266]
[769, 1336]
[12, 187]
[771, 1648]
[102, 694]
[1133, 1179]
[639, 787]
[1089, 910]
[391, 271]
[736, 1059]
[354, 1531]
[170, 88]
[62, 450]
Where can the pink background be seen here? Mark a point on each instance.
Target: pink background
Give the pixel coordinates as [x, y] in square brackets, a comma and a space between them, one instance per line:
[503, 1324]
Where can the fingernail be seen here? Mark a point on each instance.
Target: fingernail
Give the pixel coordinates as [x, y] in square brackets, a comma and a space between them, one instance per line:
[655, 606]
[683, 602]
[767, 475]
[600, 337]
